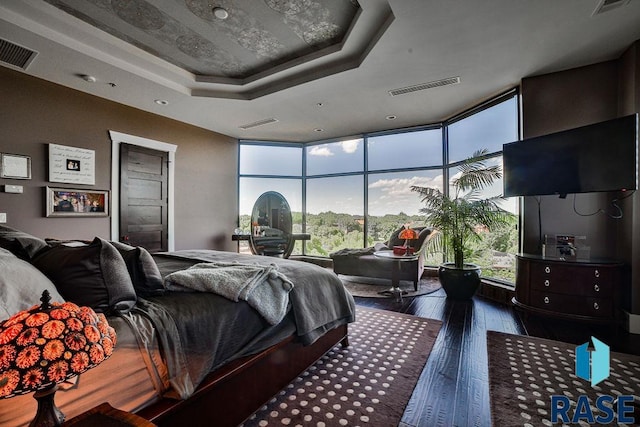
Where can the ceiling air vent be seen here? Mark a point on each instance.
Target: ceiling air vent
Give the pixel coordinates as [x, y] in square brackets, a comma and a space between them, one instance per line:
[258, 123]
[14, 55]
[423, 86]
[607, 5]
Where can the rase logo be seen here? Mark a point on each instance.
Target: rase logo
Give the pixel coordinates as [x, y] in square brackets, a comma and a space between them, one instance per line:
[592, 364]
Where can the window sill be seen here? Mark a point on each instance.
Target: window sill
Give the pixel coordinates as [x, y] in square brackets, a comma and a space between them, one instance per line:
[497, 291]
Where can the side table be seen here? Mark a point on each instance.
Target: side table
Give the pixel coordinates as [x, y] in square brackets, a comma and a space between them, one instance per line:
[105, 415]
[395, 260]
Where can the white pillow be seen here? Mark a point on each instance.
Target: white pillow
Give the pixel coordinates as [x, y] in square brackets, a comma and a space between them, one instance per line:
[21, 285]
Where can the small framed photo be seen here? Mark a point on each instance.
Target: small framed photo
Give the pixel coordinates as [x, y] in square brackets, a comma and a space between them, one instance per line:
[63, 202]
[15, 166]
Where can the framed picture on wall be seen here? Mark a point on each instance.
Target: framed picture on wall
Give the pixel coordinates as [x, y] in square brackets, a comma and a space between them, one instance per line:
[15, 166]
[71, 165]
[76, 202]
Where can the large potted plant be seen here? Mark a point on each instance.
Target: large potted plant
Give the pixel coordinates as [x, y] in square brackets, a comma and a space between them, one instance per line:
[458, 218]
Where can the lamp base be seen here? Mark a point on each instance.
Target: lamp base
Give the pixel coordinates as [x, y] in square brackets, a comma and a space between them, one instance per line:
[48, 414]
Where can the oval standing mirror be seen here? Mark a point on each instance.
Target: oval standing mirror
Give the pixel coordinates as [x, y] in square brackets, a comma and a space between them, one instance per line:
[271, 226]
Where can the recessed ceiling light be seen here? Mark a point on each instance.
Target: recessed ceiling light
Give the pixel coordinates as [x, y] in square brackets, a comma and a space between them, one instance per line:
[88, 78]
[220, 12]
[161, 102]
[391, 117]
[319, 104]
[319, 130]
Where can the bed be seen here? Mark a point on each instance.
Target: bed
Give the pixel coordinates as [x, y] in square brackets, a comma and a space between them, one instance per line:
[183, 357]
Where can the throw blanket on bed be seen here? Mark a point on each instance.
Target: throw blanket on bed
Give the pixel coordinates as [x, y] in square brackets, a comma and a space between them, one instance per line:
[264, 288]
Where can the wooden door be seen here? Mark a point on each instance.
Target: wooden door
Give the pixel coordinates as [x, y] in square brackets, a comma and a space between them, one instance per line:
[143, 197]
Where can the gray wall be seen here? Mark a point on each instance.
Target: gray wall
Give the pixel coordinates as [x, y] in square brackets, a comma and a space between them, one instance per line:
[34, 113]
[572, 98]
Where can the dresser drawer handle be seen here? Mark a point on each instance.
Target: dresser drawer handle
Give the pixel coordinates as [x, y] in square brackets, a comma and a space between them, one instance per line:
[596, 306]
[596, 273]
[547, 283]
[596, 288]
[547, 269]
[546, 300]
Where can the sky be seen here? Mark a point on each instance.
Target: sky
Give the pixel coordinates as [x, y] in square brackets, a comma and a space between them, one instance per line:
[388, 192]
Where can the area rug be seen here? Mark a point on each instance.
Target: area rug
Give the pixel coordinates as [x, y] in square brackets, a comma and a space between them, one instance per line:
[371, 287]
[368, 383]
[524, 372]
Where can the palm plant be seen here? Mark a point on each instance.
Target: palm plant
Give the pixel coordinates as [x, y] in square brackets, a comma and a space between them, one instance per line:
[459, 216]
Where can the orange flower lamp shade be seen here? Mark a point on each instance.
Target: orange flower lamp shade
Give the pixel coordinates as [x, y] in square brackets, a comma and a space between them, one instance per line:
[46, 345]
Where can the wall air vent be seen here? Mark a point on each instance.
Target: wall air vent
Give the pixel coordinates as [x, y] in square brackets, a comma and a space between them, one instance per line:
[258, 123]
[15, 56]
[607, 5]
[423, 86]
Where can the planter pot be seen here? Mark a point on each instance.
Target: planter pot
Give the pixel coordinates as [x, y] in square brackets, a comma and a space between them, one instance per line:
[459, 283]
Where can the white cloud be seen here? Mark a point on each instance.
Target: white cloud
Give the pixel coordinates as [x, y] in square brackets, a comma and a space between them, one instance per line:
[350, 146]
[402, 186]
[320, 150]
[394, 194]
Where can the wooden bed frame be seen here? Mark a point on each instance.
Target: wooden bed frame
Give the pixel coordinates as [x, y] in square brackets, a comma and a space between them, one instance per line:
[232, 393]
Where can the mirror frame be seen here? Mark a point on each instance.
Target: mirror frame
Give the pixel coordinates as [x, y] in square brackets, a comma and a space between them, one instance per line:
[263, 199]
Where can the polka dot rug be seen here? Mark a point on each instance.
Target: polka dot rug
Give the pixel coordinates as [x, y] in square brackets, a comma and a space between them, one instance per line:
[524, 372]
[367, 383]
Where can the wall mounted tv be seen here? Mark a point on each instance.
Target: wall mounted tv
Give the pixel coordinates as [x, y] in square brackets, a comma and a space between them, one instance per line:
[598, 157]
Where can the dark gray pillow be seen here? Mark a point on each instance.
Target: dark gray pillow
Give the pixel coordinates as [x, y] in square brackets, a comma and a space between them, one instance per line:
[21, 244]
[143, 269]
[21, 285]
[394, 240]
[423, 234]
[94, 275]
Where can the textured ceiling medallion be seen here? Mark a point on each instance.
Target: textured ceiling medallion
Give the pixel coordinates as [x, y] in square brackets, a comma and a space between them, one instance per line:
[288, 7]
[202, 49]
[261, 42]
[320, 33]
[196, 46]
[139, 14]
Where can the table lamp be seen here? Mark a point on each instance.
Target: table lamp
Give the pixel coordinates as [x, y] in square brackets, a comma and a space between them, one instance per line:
[408, 234]
[46, 345]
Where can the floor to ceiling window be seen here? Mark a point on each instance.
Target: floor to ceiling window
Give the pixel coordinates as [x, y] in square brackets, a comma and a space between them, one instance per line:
[353, 193]
[270, 167]
[489, 126]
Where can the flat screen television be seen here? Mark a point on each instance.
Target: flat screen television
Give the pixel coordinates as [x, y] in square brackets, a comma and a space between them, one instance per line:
[598, 157]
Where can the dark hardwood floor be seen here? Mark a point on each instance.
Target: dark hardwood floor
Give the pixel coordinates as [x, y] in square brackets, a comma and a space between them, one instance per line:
[453, 389]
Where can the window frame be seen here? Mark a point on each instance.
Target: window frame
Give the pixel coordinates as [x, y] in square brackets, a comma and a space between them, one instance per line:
[445, 167]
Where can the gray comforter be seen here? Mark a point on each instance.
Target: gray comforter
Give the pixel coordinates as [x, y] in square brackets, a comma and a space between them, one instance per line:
[318, 299]
[264, 288]
[201, 331]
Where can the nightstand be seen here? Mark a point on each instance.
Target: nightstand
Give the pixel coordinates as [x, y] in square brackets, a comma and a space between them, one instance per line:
[104, 415]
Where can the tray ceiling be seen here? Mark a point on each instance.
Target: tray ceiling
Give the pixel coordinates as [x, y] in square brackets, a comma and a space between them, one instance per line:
[307, 70]
[250, 40]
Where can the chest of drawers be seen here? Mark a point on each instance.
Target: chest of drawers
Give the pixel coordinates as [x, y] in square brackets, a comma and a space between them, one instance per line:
[580, 290]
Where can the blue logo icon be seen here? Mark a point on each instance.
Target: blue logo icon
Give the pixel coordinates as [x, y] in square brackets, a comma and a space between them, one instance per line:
[592, 363]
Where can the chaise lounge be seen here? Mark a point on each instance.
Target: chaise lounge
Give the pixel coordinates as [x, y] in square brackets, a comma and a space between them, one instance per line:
[363, 262]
